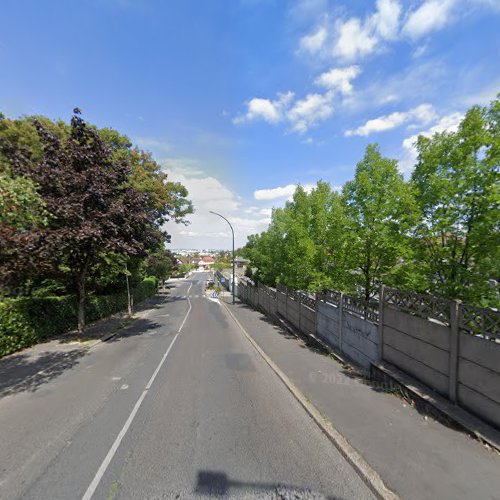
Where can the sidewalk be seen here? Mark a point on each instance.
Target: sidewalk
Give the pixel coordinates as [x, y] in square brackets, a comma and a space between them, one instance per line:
[28, 369]
[417, 457]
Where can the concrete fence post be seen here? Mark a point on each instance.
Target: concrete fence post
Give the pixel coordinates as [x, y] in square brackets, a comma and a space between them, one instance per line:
[299, 303]
[381, 300]
[341, 321]
[286, 304]
[454, 350]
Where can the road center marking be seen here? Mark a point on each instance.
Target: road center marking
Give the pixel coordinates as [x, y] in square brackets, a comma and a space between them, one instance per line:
[111, 453]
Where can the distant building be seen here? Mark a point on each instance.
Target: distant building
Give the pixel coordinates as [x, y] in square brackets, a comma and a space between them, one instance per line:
[205, 263]
[240, 262]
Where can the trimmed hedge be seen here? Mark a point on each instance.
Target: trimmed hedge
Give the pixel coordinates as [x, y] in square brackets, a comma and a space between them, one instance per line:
[28, 320]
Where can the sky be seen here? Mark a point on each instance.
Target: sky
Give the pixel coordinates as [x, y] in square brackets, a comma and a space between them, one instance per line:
[241, 100]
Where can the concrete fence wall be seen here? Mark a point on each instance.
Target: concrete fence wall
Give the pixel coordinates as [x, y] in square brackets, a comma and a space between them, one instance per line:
[452, 348]
[353, 336]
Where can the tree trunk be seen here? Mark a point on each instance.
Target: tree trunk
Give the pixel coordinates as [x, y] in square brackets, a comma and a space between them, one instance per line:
[81, 302]
[129, 296]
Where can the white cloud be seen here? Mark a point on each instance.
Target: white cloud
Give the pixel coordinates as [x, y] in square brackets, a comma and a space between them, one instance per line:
[447, 123]
[279, 192]
[301, 114]
[209, 193]
[272, 194]
[421, 114]
[430, 16]
[354, 40]
[310, 110]
[339, 79]
[266, 109]
[314, 43]
[386, 19]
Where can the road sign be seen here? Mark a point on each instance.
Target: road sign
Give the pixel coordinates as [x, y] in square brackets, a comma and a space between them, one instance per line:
[223, 280]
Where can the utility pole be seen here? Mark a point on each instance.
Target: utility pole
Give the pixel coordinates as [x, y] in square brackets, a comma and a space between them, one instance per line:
[234, 263]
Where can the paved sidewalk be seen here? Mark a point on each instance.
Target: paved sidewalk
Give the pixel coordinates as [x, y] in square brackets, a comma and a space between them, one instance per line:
[416, 456]
[30, 368]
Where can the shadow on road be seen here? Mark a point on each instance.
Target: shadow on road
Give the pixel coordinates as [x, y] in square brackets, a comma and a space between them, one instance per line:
[20, 373]
[218, 484]
[27, 371]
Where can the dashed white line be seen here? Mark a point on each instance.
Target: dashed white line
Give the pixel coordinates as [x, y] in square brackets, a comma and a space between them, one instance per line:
[111, 453]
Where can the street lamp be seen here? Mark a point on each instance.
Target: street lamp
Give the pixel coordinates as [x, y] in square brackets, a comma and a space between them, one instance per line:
[232, 230]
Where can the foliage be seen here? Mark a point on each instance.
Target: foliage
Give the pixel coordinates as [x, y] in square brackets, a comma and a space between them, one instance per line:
[92, 207]
[457, 181]
[28, 320]
[21, 207]
[379, 208]
[160, 264]
[185, 268]
[437, 233]
[221, 264]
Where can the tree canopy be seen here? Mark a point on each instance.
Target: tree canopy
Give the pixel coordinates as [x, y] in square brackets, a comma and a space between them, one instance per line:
[79, 203]
[437, 232]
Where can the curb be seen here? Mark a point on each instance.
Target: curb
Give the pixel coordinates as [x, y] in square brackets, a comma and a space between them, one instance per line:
[369, 476]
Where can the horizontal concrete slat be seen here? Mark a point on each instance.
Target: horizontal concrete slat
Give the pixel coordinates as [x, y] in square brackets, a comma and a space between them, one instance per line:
[479, 405]
[363, 328]
[421, 351]
[366, 347]
[330, 325]
[329, 337]
[425, 374]
[480, 379]
[328, 310]
[356, 355]
[423, 329]
[481, 351]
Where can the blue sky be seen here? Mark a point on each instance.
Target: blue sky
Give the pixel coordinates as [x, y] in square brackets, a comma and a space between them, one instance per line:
[242, 99]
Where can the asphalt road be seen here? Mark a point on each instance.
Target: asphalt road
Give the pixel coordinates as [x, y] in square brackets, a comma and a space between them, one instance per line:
[180, 405]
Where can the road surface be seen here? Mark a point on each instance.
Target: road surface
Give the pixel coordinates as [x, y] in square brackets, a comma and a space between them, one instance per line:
[180, 405]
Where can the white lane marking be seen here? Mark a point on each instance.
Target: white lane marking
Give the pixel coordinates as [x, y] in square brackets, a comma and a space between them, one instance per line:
[111, 453]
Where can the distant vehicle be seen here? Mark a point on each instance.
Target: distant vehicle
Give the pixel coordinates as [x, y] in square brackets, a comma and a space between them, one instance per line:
[210, 281]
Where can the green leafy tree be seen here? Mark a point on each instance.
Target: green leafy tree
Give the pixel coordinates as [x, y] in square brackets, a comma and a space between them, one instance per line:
[21, 207]
[160, 264]
[185, 268]
[379, 207]
[458, 191]
[92, 208]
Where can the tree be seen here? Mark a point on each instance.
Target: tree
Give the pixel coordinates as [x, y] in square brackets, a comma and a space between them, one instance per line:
[92, 207]
[379, 208]
[457, 184]
[21, 207]
[185, 268]
[160, 264]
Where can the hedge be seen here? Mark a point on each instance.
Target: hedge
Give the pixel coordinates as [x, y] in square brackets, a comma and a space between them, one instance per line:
[28, 320]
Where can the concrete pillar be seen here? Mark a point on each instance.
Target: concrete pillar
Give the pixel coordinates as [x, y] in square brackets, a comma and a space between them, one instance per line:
[341, 320]
[381, 299]
[454, 350]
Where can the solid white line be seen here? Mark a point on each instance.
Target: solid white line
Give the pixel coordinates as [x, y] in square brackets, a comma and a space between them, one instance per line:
[111, 453]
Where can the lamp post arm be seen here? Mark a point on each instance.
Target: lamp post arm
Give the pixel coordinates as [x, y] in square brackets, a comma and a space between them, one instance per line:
[234, 264]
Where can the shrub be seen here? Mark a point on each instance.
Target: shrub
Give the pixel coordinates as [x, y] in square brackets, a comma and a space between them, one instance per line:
[28, 320]
[145, 289]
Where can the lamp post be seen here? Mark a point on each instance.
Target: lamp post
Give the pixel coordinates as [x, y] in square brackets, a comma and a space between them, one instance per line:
[232, 230]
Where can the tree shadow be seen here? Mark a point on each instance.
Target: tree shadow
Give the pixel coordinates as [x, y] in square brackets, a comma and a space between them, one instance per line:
[20, 373]
[387, 386]
[27, 372]
[218, 484]
[136, 328]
